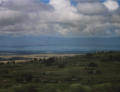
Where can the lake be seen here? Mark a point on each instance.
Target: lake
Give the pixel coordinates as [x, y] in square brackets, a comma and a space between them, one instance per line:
[58, 44]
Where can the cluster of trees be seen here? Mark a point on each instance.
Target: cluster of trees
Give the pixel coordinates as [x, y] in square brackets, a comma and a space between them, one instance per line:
[104, 56]
[13, 58]
[50, 61]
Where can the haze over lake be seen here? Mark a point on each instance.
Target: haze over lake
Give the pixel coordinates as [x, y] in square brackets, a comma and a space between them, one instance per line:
[58, 44]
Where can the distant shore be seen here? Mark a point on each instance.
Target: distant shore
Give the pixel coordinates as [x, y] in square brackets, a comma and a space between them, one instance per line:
[4, 58]
[38, 55]
[26, 58]
[5, 53]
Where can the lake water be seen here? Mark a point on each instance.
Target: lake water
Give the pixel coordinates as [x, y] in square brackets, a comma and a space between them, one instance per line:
[58, 45]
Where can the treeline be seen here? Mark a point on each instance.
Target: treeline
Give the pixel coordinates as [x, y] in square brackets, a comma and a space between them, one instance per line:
[14, 58]
[104, 56]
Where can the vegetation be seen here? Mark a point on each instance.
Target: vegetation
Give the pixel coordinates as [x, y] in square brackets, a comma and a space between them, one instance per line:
[93, 72]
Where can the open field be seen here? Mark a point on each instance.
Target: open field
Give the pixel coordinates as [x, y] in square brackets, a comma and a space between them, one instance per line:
[38, 55]
[26, 58]
[92, 72]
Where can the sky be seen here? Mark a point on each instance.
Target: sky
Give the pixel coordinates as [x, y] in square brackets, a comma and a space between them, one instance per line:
[66, 18]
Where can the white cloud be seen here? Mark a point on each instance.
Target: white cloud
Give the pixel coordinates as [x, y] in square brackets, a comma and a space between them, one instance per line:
[64, 10]
[111, 5]
[91, 8]
[59, 17]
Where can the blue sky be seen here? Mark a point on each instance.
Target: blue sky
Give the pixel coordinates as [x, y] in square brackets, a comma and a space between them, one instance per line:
[47, 1]
[73, 2]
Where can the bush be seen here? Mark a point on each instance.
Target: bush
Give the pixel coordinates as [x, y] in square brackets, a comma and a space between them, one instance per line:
[50, 61]
[92, 64]
[25, 77]
[79, 88]
[26, 89]
[106, 87]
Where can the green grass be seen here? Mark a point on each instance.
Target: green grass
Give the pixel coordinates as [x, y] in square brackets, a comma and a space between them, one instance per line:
[96, 72]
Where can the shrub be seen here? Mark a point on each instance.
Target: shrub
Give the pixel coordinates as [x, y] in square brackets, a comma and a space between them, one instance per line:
[30, 88]
[79, 88]
[92, 64]
[106, 87]
[50, 61]
[24, 77]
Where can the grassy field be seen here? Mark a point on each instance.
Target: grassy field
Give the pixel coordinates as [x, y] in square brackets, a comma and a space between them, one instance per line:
[92, 72]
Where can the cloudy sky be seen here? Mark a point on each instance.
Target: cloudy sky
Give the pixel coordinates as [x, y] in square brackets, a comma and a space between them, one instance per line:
[60, 17]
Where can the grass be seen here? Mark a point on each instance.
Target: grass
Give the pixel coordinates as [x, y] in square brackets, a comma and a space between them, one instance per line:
[93, 72]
